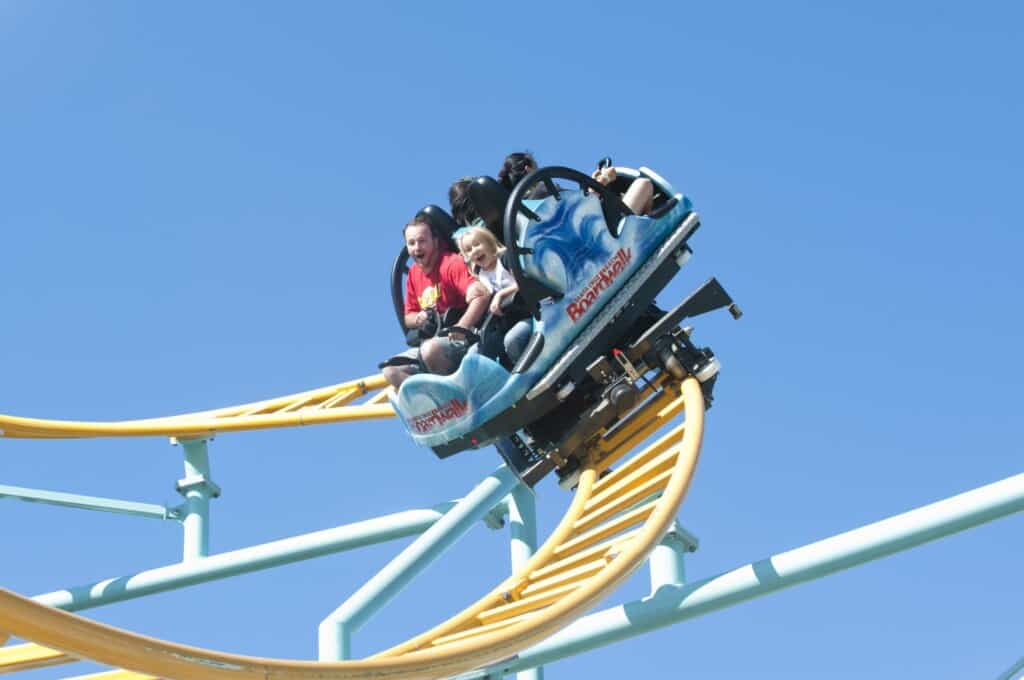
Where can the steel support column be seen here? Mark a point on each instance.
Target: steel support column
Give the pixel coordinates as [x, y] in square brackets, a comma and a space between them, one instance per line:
[335, 631]
[198, 489]
[666, 562]
[522, 525]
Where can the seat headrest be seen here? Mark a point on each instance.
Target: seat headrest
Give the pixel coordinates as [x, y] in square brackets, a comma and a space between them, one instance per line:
[440, 220]
[489, 199]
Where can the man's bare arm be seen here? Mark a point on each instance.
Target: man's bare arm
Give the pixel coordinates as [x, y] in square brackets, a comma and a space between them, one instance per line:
[477, 299]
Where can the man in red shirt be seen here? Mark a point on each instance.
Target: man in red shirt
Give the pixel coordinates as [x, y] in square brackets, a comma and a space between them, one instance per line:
[438, 280]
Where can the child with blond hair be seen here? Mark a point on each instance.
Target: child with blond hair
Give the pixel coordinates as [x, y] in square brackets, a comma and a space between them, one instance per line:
[484, 256]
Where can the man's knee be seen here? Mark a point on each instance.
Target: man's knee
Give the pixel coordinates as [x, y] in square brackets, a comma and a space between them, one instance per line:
[433, 356]
[392, 375]
[396, 375]
[440, 356]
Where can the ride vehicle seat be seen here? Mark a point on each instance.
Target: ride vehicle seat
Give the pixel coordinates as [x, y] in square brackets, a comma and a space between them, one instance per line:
[489, 199]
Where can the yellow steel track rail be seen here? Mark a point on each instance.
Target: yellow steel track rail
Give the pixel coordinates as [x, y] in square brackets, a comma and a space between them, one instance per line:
[115, 675]
[29, 656]
[611, 526]
[325, 405]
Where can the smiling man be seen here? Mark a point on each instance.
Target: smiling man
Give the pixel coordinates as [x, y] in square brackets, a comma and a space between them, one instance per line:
[438, 280]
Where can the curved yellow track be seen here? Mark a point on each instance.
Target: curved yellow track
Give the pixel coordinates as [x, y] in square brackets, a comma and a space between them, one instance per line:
[611, 526]
[325, 405]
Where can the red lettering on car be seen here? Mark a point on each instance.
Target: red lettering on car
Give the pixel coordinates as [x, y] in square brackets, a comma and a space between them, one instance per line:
[425, 422]
[600, 282]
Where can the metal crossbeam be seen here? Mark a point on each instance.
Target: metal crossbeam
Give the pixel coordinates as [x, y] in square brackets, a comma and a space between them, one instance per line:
[70, 500]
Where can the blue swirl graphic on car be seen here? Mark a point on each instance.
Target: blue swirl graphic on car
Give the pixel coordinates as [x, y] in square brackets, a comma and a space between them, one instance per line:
[573, 235]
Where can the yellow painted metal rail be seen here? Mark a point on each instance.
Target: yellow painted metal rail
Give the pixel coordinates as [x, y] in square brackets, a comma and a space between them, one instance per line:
[325, 405]
[611, 526]
[29, 656]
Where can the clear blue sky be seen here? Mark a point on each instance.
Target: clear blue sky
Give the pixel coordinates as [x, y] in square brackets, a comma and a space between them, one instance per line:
[201, 202]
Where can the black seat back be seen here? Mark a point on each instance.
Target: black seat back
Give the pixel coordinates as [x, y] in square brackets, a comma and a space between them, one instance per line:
[398, 272]
[489, 199]
[440, 220]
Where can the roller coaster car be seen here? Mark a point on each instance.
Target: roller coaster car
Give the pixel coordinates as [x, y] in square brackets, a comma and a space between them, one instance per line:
[589, 268]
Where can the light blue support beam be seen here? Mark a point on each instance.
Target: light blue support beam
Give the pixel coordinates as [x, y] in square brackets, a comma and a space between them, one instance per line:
[335, 632]
[1013, 672]
[666, 561]
[198, 489]
[70, 500]
[245, 560]
[522, 525]
[675, 604]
